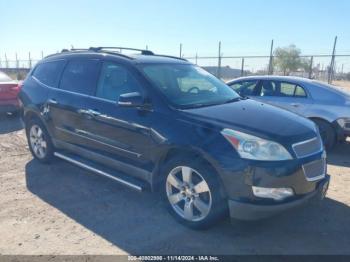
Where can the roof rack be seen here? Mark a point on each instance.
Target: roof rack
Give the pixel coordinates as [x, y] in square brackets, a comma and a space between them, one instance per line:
[118, 52]
[74, 49]
[175, 57]
[101, 48]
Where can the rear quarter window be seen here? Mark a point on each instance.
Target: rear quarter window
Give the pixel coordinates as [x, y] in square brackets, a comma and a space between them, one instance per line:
[48, 73]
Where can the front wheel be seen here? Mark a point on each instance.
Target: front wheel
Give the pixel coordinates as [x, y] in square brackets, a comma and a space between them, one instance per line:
[39, 141]
[327, 133]
[192, 193]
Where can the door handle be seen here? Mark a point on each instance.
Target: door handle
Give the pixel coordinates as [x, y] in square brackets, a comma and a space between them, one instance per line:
[295, 104]
[52, 101]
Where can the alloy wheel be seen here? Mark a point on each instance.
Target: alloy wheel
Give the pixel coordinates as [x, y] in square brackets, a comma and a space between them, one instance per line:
[188, 193]
[37, 141]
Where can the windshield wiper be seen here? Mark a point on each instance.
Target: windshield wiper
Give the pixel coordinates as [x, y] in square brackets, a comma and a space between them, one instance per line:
[199, 105]
[213, 104]
[234, 100]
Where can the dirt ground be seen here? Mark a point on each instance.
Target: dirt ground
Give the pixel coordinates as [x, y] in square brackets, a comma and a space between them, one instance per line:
[61, 209]
[343, 85]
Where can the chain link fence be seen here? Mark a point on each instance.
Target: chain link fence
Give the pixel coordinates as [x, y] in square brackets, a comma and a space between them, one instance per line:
[328, 68]
[318, 67]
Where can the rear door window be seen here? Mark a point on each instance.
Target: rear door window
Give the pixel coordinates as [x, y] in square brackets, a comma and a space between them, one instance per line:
[281, 89]
[81, 76]
[48, 73]
[286, 89]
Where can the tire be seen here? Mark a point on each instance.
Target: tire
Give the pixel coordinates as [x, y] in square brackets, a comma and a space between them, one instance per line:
[205, 204]
[327, 132]
[39, 141]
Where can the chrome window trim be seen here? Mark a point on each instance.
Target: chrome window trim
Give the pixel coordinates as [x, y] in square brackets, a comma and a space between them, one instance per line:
[305, 142]
[40, 83]
[83, 95]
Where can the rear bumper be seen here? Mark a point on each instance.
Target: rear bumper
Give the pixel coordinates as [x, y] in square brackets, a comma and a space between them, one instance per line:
[9, 105]
[8, 108]
[253, 211]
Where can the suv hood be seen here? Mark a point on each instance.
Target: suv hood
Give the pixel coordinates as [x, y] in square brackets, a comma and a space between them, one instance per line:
[258, 119]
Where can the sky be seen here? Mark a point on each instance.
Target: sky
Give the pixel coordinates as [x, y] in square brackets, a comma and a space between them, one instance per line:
[245, 27]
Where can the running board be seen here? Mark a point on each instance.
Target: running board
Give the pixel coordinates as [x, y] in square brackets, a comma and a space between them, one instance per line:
[98, 171]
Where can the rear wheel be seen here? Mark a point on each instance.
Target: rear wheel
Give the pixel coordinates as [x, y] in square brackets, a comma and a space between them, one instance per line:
[39, 141]
[192, 193]
[327, 133]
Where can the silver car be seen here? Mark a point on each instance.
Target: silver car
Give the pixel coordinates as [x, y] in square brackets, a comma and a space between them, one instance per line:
[327, 106]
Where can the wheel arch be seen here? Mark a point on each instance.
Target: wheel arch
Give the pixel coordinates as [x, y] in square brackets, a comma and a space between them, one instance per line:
[33, 113]
[191, 153]
[332, 124]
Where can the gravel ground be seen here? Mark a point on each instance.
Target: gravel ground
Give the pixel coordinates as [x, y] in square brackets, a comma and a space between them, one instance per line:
[61, 209]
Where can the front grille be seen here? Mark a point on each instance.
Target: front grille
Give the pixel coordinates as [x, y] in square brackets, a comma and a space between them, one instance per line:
[347, 125]
[315, 170]
[308, 147]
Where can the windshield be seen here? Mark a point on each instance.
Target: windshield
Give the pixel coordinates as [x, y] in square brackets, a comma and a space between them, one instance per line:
[188, 86]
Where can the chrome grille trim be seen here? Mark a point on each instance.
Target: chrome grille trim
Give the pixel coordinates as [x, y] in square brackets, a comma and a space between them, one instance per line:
[299, 148]
[306, 172]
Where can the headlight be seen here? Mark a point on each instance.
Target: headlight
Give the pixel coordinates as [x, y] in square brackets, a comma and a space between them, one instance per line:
[344, 123]
[256, 148]
[273, 193]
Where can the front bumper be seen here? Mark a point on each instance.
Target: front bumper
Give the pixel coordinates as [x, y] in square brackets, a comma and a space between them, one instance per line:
[254, 211]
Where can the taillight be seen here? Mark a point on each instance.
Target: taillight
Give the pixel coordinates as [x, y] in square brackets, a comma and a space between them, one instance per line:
[15, 88]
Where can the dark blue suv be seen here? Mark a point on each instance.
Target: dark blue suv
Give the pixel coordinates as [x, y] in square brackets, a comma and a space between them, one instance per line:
[161, 123]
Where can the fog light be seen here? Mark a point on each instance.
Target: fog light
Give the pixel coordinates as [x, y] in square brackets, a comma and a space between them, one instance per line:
[273, 193]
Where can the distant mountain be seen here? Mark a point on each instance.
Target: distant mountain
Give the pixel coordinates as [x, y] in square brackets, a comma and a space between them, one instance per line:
[226, 71]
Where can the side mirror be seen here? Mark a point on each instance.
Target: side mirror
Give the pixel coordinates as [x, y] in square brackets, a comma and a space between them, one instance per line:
[134, 99]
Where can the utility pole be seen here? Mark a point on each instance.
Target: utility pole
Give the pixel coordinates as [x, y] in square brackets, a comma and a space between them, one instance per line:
[331, 67]
[271, 59]
[30, 61]
[311, 65]
[17, 66]
[17, 63]
[6, 61]
[242, 68]
[42, 54]
[196, 59]
[219, 62]
[180, 50]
